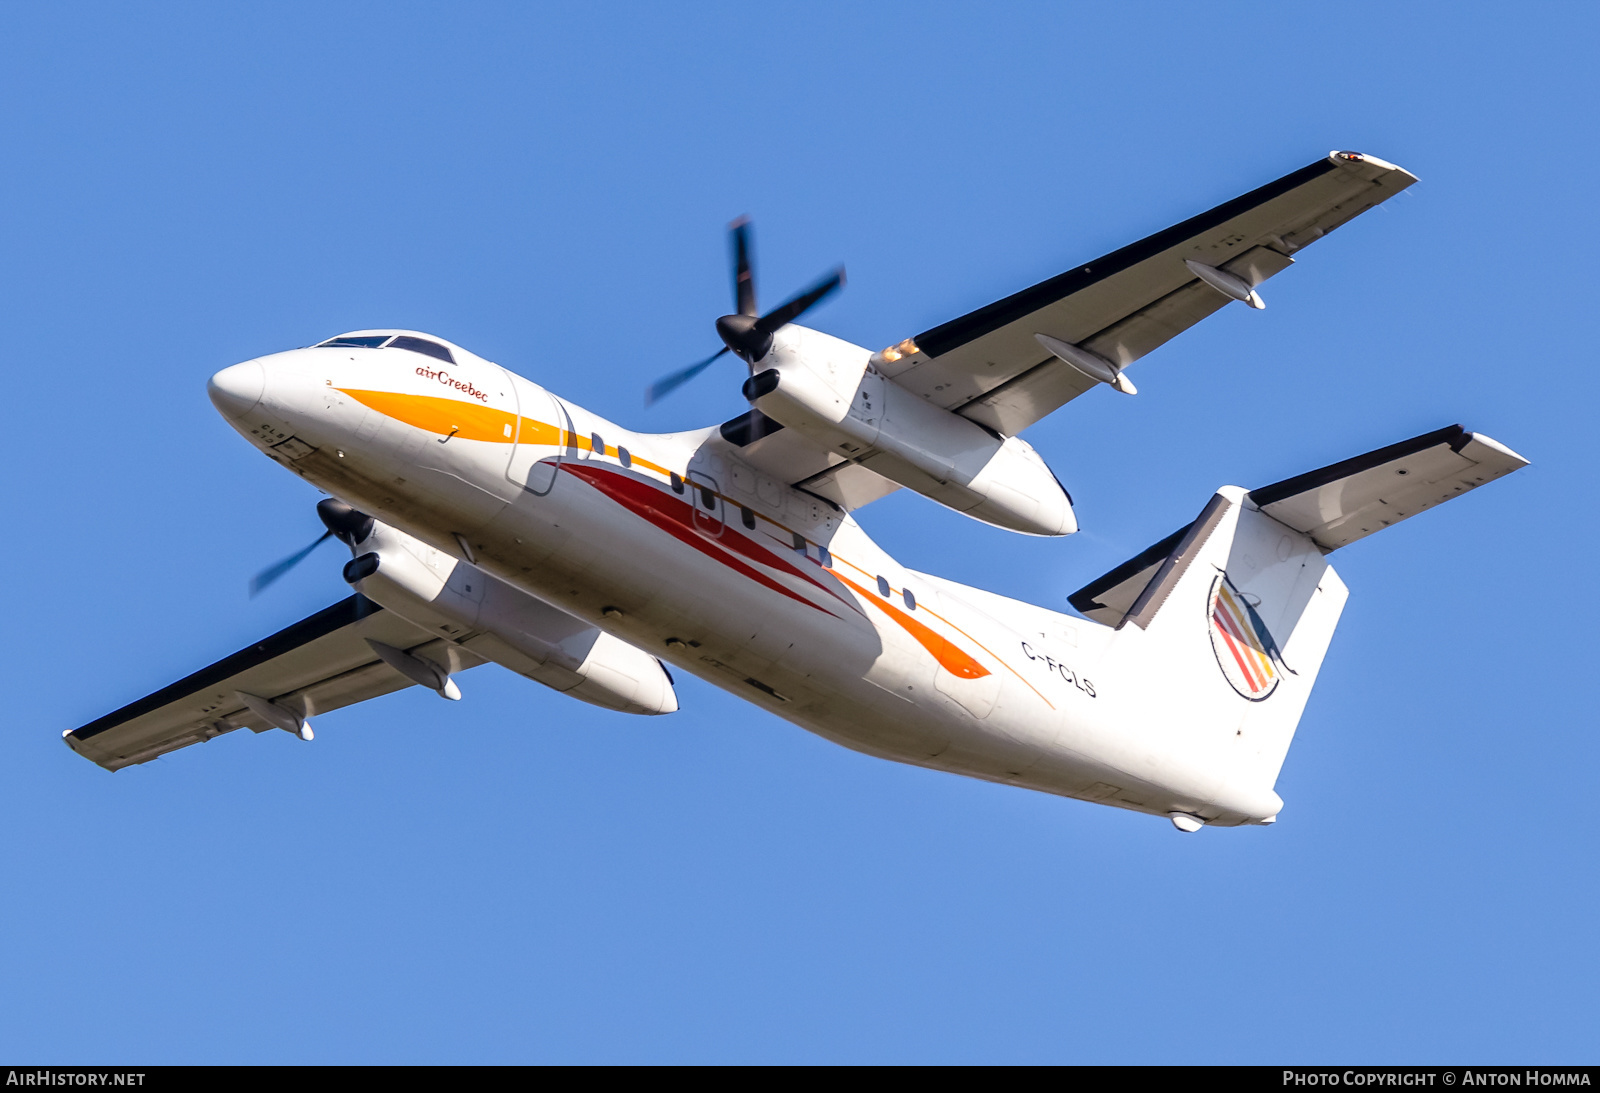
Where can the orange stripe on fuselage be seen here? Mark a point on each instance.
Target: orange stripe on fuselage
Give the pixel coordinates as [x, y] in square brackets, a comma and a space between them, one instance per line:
[473, 421]
[951, 657]
[445, 416]
[999, 659]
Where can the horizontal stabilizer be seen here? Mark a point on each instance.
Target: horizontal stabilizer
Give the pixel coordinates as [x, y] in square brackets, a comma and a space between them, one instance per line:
[1337, 505]
[319, 664]
[1333, 506]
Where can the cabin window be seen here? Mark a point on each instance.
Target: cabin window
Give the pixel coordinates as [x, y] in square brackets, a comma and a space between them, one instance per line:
[883, 588]
[824, 557]
[748, 518]
[677, 483]
[624, 457]
[799, 542]
[910, 598]
[423, 346]
[708, 498]
[597, 445]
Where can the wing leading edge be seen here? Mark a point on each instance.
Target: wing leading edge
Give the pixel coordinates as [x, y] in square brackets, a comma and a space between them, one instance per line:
[988, 366]
[319, 664]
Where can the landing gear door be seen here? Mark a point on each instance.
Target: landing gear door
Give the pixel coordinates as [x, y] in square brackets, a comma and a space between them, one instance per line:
[536, 453]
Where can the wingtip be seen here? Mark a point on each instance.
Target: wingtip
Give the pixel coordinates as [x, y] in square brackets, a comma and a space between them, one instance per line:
[1398, 177]
[1516, 458]
[1361, 157]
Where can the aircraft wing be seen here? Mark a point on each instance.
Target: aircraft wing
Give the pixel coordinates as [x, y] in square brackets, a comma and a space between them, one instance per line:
[319, 664]
[988, 366]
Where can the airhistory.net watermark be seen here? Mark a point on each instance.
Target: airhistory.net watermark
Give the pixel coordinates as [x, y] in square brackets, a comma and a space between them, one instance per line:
[48, 1077]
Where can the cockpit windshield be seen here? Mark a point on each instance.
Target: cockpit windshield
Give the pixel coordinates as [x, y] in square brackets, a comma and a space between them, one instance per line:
[368, 341]
[390, 341]
[422, 345]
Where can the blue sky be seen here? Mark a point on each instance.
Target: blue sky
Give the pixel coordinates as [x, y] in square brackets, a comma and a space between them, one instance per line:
[518, 877]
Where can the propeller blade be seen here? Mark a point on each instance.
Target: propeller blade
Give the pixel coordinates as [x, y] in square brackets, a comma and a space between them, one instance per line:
[277, 569]
[664, 386]
[786, 313]
[744, 284]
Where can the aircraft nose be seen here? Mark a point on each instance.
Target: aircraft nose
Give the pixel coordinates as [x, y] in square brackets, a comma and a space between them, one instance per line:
[235, 390]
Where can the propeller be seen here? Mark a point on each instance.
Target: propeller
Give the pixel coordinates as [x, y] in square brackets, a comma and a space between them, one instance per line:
[747, 334]
[343, 523]
[664, 386]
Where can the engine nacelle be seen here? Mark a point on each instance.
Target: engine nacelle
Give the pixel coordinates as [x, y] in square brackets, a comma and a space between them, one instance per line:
[821, 387]
[456, 599]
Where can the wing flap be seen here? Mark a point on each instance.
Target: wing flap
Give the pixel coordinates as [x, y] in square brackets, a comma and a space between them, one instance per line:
[1052, 383]
[319, 664]
[849, 485]
[786, 456]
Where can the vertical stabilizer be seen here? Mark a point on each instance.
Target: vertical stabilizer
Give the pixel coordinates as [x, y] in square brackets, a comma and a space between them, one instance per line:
[1270, 615]
[1223, 625]
[1219, 652]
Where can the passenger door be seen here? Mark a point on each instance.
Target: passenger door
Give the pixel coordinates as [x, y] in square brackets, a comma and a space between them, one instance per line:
[536, 452]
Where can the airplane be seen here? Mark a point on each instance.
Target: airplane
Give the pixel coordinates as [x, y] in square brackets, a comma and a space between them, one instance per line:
[488, 519]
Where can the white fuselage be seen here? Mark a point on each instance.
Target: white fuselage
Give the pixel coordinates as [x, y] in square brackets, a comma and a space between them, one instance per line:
[672, 544]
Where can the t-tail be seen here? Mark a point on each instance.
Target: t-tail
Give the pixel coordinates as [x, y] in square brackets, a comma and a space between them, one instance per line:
[1223, 625]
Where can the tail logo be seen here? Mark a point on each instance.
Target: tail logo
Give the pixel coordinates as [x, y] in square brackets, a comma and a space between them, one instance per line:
[1249, 658]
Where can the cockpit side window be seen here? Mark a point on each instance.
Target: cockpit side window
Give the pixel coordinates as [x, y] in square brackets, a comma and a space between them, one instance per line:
[364, 341]
[422, 345]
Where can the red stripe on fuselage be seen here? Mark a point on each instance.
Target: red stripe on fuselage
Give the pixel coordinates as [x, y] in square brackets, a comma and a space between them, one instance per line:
[676, 518]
